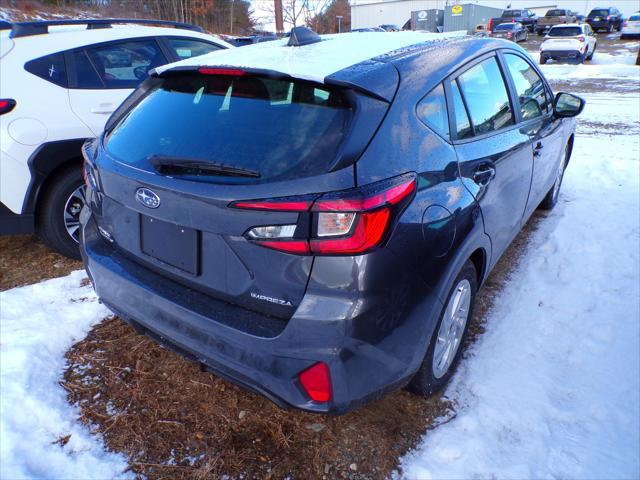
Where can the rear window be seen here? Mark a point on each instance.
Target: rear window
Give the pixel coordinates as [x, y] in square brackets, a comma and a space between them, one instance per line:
[565, 32]
[511, 13]
[556, 13]
[598, 13]
[506, 26]
[279, 128]
[634, 18]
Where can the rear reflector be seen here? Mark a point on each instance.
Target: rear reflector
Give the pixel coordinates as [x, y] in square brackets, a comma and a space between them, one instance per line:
[316, 381]
[275, 205]
[6, 105]
[233, 72]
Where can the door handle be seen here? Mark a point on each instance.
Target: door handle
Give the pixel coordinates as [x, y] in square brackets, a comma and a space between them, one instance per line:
[537, 148]
[484, 174]
[104, 108]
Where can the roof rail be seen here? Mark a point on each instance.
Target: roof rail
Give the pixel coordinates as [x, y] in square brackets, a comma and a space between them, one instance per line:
[25, 29]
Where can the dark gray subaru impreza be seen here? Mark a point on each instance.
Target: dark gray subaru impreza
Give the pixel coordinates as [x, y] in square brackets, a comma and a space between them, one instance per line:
[311, 218]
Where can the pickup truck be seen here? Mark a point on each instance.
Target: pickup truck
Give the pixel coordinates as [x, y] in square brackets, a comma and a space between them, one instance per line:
[556, 16]
[526, 17]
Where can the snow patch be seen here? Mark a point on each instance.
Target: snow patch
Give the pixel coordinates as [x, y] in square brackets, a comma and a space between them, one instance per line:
[39, 323]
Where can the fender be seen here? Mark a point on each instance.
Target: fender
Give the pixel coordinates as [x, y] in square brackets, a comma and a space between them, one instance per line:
[43, 162]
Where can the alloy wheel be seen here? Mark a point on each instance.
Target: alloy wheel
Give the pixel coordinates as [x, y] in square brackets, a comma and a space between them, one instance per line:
[452, 328]
[72, 209]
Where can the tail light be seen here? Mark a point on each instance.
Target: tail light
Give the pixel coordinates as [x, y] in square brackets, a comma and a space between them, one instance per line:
[509, 34]
[231, 72]
[609, 17]
[489, 24]
[340, 223]
[6, 105]
[581, 38]
[316, 381]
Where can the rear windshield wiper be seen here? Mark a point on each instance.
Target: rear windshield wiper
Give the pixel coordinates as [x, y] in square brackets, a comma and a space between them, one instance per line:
[187, 166]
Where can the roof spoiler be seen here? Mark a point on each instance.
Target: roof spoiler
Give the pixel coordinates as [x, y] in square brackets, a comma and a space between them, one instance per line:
[26, 29]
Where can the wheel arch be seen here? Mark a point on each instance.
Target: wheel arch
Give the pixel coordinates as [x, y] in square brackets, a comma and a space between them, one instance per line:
[45, 164]
[479, 260]
[570, 144]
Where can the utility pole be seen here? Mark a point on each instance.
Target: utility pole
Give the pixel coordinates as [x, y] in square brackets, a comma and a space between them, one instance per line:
[233, 2]
[277, 7]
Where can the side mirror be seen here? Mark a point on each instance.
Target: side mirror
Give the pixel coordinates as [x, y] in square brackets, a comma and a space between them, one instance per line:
[567, 105]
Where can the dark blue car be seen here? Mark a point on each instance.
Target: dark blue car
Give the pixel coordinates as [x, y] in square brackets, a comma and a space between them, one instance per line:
[313, 219]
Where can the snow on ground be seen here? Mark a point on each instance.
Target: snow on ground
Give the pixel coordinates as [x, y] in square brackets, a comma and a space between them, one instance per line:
[552, 389]
[39, 324]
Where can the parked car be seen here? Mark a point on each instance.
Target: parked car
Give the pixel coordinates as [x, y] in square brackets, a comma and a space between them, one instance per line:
[390, 28]
[368, 29]
[606, 19]
[555, 16]
[580, 18]
[329, 269]
[631, 28]
[526, 17]
[575, 42]
[59, 82]
[250, 40]
[511, 31]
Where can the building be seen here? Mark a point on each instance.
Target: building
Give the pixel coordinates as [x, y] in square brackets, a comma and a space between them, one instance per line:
[371, 13]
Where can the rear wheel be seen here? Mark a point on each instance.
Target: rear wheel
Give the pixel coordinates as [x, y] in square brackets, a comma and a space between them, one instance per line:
[59, 212]
[610, 28]
[590, 57]
[445, 347]
[551, 198]
[543, 60]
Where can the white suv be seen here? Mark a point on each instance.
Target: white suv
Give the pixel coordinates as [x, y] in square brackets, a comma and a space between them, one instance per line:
[572, 42]
[59, 82]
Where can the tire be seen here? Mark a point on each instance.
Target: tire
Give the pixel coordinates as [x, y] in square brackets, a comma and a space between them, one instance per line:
[610, 28]
[432, 376]
[551, 199]
[526, 36]
[539, 32]
[590, 57]
[543, 60]
[62, 194]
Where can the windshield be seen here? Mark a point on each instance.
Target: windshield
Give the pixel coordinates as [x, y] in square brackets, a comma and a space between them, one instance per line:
[510, 13]
[506, 26]
[555, 13]
[565, 32]
[279, 129]
[598, 13]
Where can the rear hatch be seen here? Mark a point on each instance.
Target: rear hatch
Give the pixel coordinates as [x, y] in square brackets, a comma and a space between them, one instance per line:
[173, 169]
[564, 38]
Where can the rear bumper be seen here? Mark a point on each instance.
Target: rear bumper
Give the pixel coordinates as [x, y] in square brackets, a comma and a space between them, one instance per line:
[562, 54]
[599, 24]
[363, 363]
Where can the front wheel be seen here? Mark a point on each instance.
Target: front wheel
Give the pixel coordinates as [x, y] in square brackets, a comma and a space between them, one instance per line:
[59, 212]
[445, 346]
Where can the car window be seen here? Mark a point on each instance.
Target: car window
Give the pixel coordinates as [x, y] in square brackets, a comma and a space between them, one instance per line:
[281, 128]
[564, 32]
[461, 118]
[432, 110]
[555, 13]
[86, 74]
[634, 18]
[120, 65]
[188, 48]
[598, 13]
[50, 68]
[485, 95]
[529, 87]
[506, 26]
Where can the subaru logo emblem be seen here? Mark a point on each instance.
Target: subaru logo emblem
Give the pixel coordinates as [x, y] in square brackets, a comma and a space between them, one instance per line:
[147, 197]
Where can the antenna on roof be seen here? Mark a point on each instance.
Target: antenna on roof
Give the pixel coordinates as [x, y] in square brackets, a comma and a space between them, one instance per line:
[302, 36]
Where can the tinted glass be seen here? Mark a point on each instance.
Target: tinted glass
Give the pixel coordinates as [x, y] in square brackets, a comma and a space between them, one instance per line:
[486, 97]
[634, 18]
[50, 68]
[463, 125]
[598, 13]
[529, 86]
[86, 74]
[124, 64]
[511, 13]
[187, 48]
[556, 13]
[279, 128]
[432, 110]
[506, 26]
[565, 32]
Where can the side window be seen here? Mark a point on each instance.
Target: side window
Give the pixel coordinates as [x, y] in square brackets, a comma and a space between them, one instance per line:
[529, 87]
[119, 65]
[432, 110]
[486, 97]
[50, 68]
[86, 74]
[187, 47]
[463, 125]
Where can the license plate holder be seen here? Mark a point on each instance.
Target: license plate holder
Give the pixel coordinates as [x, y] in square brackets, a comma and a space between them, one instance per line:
[170, 243]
